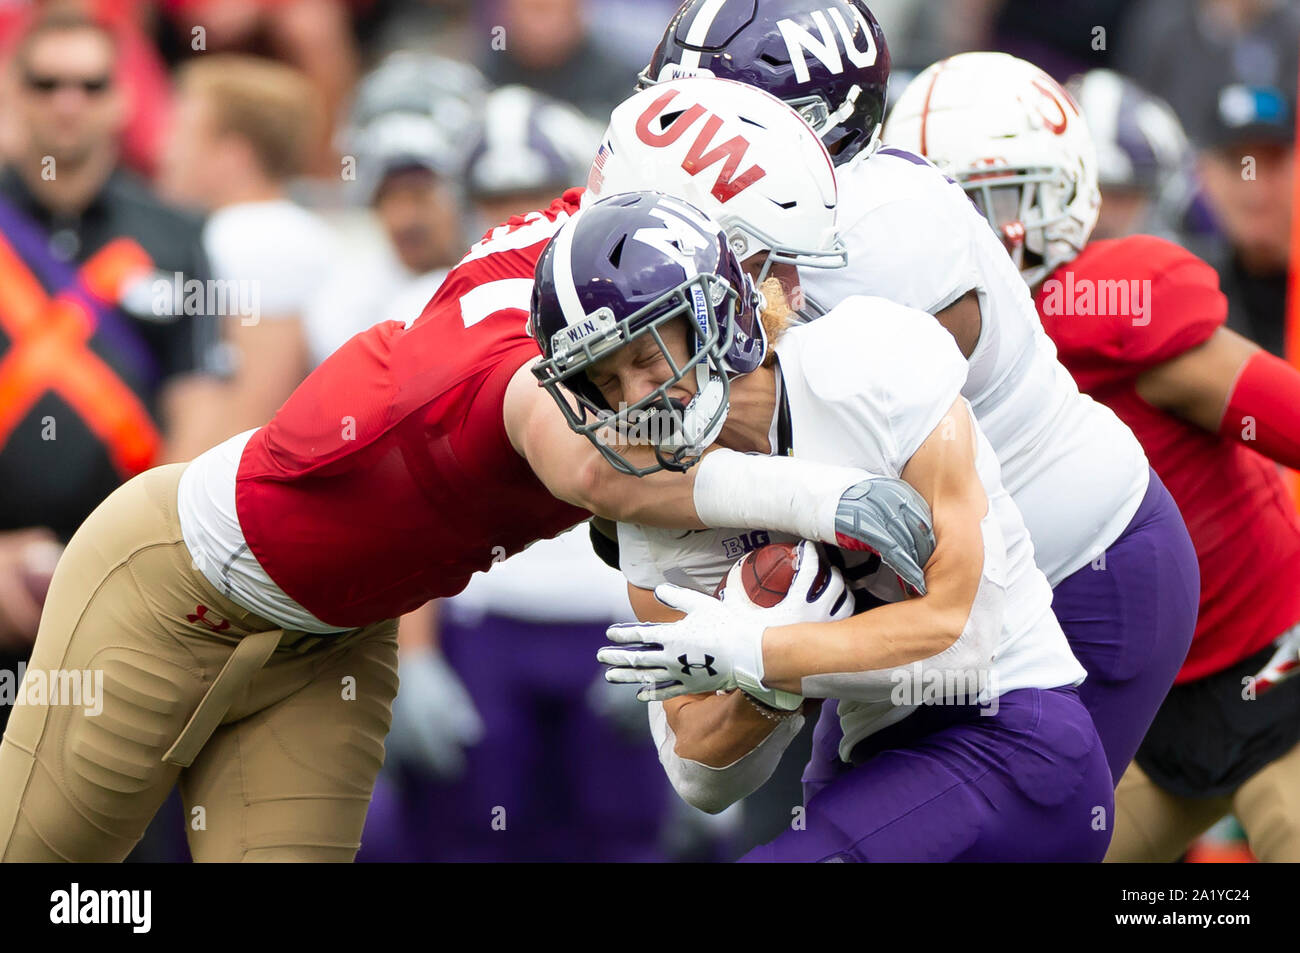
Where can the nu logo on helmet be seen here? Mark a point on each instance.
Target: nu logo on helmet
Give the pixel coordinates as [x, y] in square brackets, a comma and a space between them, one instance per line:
[679, 238]
[798, 41]
[702, 154]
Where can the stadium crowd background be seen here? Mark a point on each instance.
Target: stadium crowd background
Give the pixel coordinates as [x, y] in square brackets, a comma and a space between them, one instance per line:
[241, 185]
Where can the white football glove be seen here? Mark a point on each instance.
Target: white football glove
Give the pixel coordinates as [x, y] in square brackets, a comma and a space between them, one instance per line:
[434, 718]
[719, 645]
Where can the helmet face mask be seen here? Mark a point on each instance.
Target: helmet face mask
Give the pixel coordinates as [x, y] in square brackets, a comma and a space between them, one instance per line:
[719, 308]
[1023, 206]
[825, 120]
[746, 240]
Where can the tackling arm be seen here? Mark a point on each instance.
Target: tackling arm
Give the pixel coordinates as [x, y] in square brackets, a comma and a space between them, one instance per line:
[725, 489]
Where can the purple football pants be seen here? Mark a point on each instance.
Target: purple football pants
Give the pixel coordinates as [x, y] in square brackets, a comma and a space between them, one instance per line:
[1130, 617]
[947, 783]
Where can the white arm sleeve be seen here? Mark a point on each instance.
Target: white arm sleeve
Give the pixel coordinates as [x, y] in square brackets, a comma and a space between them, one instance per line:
[965, 663]
[782, 494]
[636, 558]
[713, 790]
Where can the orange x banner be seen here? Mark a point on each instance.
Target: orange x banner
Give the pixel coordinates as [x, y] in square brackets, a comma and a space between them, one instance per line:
[49, 352]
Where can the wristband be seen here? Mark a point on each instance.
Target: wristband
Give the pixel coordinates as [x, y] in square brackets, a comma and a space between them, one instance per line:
[1264, 409]
[767, 711]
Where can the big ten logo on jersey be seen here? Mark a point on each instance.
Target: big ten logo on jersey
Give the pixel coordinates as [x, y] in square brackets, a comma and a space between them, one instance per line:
[799, 41]
[702, 154]
[733, 547]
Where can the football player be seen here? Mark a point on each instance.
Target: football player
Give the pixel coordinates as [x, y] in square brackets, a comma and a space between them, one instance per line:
[1095, 511]
[1140, 323]
[641, 309]
[1145, 165]
[240, 608]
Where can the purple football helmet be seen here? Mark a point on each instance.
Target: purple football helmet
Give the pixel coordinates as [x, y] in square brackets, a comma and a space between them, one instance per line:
[621, 269]
[826, 58]
[1141, 148]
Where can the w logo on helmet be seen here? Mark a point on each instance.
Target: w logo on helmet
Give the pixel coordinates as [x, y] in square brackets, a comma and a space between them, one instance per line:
[702, 154]
[798, 40]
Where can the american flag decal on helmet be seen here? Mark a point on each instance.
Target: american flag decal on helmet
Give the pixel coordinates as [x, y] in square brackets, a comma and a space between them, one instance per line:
[596, 178]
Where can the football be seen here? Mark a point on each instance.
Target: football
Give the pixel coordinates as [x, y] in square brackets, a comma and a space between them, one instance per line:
[768, 571]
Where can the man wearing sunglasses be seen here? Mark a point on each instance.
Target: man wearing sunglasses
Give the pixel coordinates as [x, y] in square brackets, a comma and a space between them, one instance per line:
[96, 364]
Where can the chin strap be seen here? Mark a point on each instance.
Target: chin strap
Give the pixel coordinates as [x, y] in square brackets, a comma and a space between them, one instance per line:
[705, 414]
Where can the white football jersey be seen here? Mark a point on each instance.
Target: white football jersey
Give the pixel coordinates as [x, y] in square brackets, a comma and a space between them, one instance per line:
[867, 384]
[1075, 470]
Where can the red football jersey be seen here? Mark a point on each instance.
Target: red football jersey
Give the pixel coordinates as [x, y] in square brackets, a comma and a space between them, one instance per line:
[387, 478]
[1122, 307]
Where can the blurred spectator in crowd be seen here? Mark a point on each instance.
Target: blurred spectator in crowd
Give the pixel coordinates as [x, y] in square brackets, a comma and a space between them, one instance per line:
[313, 35]
[1064, 38]
[139, 70]
[530, 149]
[565, 768]
[1184, 50]
[1228, 68]
[244, 128]
[550, 46]
[630, 29]
[1145, 165]
[411, 122]
[1247, 169]
[101, 375]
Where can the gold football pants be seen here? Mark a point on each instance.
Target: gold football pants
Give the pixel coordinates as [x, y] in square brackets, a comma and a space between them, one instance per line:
[1154, 826]
[275, 737]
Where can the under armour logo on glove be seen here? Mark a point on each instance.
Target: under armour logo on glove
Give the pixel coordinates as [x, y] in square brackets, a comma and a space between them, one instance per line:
[688, 667]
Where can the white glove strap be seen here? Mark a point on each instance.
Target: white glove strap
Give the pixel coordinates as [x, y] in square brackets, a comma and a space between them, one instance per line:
[752, 684]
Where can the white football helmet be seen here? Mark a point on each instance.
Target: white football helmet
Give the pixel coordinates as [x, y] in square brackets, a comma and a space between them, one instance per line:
[740, 155]
[1016, 142]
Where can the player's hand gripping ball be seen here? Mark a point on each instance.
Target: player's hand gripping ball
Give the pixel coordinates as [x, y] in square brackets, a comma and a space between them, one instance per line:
[767, 573]
[718, 646]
